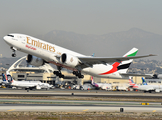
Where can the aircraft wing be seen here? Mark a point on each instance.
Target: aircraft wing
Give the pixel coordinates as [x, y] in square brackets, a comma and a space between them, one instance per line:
[89, 61]
[131, 74]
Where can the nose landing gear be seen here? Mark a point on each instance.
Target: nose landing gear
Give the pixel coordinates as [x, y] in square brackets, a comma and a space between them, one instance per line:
[14, 51]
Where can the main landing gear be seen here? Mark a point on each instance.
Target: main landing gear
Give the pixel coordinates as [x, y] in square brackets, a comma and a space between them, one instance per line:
[14, 51]
[78, 74]
[58, 73]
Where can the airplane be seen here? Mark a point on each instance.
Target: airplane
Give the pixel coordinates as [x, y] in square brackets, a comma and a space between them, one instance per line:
[23, 84]
[157, 88]
[41, 52]
[104, 86]
[145, 88]
[28, 84]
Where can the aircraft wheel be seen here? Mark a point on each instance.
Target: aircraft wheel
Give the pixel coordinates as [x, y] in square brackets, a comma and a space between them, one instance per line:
[13, 55]
[74, 72]
[62, 76]
[82, 76]
[55, 72]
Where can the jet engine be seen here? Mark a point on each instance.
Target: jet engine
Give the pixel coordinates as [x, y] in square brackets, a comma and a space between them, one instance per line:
[69, 60]
[35, 61]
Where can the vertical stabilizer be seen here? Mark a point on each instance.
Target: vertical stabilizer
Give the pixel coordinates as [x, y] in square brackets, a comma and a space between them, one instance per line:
[144, 81]
[92, 81]
[3, 77]
[124, 65]
[131, 82]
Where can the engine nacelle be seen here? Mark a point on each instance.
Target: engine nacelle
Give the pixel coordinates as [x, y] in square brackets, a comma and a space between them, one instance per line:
[35, 61]
[157, 90]
[69, 60]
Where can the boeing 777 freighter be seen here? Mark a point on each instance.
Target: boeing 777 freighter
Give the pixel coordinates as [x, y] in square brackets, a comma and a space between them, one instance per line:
[41, 52]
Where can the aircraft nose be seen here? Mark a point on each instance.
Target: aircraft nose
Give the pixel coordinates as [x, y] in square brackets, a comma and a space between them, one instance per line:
[6, 38]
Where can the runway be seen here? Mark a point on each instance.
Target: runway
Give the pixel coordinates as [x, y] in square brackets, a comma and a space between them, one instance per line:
[76, 106]
[79, 93]
[79, 108]
[16, 100]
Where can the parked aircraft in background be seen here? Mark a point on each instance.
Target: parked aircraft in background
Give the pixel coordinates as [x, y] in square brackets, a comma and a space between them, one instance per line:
[41, 52]
[24, 84]
[8, 80]
[145, 88]
[104, 86]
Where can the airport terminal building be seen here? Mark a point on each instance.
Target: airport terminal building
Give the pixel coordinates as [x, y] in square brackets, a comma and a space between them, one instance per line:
[45, 74]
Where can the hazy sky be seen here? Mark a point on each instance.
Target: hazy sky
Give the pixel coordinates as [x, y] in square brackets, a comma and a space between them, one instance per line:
[36, 17]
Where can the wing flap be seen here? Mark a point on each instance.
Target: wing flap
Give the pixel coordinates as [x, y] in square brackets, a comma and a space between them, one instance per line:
[104, 60]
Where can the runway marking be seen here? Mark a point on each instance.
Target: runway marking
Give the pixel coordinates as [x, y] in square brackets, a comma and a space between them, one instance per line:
[154, 111]
[11, 110]
[86, 110]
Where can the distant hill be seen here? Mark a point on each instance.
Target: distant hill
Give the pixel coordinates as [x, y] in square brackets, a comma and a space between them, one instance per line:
[111, 44]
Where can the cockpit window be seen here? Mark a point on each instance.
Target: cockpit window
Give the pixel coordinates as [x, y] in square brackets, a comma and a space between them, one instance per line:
[10, 35]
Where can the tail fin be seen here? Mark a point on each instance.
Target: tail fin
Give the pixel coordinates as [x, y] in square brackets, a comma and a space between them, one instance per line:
[92, 82]
[131, 82]
[4, 77]
[124, 65]
[93, 55]
[144, 81]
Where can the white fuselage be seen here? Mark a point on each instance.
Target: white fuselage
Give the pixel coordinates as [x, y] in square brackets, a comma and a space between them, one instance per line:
[147, 87]
[103, 85]
[30, 84]
[48, 52]
[23, 84]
